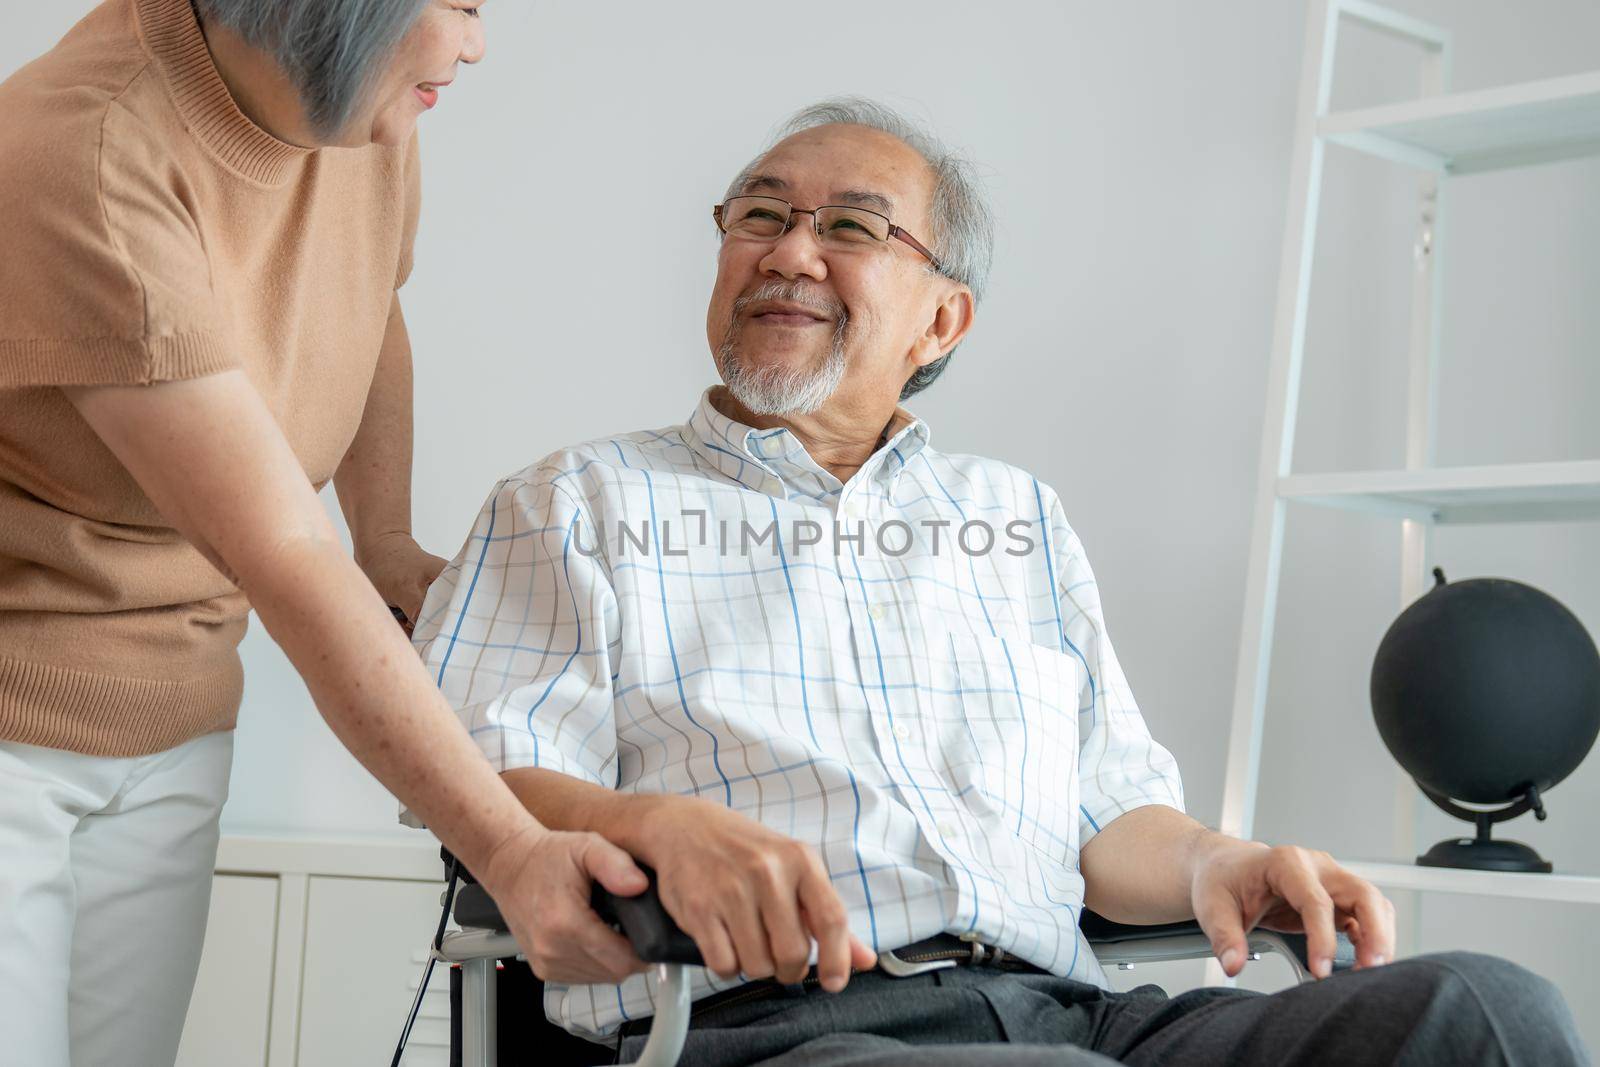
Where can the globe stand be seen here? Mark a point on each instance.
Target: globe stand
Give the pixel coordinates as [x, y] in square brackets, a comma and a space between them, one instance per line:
[1481, 853]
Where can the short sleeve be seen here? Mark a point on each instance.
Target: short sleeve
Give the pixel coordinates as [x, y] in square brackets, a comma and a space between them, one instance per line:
[105, 278]
[518, 633]
[413, 211]
[1120, 765]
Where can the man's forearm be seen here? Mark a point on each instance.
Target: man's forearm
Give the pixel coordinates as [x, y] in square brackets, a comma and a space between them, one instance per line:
[563, 802]
[1140, 869]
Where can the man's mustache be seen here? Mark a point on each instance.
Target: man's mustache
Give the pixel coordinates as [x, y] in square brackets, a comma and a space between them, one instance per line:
[811, 298]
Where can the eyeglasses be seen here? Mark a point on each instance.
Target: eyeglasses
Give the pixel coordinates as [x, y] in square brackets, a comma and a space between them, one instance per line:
[766, 218]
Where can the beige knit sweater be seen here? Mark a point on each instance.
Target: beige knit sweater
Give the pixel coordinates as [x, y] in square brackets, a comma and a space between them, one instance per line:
[149, 231]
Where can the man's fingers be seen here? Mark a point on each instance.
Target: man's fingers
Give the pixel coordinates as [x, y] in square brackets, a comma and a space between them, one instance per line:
[787, 936]
[834, 957]
[1370, 919]
[716, 947]
[612, 867]
[749, 934]
[1299, 884]
[830, 927]
[862, 958]
[1219, 916]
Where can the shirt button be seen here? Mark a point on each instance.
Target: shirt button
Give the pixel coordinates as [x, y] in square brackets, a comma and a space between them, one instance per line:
[947, 829]
[902, 731]
[970, 936]
[877, 611]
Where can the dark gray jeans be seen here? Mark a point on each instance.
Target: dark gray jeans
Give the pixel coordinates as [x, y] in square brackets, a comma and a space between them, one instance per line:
[1451, 1009]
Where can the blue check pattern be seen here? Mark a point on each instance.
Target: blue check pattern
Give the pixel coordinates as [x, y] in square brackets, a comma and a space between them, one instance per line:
[946, 726]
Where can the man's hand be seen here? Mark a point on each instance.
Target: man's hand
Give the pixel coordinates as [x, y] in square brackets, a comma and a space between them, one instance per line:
[400, 571]
[1239, 885]
[541, 880]
[752, 899]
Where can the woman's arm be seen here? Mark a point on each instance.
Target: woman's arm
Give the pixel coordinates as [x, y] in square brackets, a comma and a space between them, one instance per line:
[210, 456]
[374, 481]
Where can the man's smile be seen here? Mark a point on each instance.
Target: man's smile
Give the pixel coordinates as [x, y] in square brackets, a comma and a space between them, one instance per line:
[784, 313]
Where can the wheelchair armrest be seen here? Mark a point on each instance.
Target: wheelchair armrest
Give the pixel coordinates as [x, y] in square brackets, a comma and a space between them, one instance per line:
[1099, 930]
[642, 919]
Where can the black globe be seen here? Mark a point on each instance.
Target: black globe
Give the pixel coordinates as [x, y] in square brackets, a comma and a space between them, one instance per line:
[1485, 687]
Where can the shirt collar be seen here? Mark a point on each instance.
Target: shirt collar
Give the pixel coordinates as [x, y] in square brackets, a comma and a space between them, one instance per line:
[753, 457]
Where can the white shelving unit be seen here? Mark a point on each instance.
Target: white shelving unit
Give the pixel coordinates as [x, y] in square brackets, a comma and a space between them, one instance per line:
[1469, 133]
[1560, 888]
[1442, 135]
[1521, 492]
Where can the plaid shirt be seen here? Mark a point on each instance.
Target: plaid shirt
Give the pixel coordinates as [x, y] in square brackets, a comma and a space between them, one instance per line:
[909, 672]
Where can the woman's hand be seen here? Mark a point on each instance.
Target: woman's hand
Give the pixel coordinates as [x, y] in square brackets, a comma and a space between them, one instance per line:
[401, 571]
[374, 482]
[540, 879]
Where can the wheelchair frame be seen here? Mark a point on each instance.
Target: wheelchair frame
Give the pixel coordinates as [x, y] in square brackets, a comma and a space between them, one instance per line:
[478, 949]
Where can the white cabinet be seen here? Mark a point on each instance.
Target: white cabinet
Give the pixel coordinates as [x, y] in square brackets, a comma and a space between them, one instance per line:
[366, 947]
[228, 1013]
[313, 952]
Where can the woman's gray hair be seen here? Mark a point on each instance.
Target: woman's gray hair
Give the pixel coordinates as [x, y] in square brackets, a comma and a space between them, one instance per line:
[333, 50]
[963, 223]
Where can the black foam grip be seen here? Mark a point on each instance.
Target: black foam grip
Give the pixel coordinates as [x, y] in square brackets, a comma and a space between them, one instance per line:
[645, 923]
[1102, 931]
[475, 909]
[642, 919]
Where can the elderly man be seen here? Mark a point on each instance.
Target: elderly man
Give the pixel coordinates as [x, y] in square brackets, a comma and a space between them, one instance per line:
[855, 701]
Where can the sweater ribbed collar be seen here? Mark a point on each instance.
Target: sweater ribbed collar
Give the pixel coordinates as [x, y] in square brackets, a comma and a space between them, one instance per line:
[172, 36]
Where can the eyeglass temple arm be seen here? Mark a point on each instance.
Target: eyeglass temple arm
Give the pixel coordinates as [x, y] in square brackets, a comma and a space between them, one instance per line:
[895, 231]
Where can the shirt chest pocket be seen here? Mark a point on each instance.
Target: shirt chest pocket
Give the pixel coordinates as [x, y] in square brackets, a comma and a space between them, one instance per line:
[1012, 735]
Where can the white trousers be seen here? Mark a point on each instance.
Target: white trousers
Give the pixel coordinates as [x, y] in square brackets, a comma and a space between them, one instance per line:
[105, 882]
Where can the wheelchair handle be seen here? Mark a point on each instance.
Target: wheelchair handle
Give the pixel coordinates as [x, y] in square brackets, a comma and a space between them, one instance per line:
[642, 919]
[646, 924]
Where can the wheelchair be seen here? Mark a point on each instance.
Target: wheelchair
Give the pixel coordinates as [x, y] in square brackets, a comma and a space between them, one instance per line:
[486, 967]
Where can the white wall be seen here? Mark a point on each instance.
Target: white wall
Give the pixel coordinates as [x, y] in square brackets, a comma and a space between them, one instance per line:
[1138, 158]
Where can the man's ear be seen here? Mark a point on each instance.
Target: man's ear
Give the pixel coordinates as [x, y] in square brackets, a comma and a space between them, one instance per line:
[951, 319]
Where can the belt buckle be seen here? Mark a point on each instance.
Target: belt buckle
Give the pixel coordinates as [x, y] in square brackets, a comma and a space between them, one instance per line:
[895, 967]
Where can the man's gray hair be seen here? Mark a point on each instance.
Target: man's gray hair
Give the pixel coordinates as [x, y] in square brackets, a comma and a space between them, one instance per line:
[333, 50]
[963, 223]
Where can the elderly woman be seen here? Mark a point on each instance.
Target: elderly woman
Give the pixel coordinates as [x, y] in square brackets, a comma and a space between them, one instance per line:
[208, 209]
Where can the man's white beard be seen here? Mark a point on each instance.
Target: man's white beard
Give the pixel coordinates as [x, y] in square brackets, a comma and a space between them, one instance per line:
[776, 390]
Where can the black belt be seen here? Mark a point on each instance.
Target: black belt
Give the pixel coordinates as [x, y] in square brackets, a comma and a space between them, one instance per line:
[932, 954]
